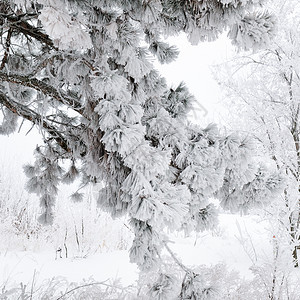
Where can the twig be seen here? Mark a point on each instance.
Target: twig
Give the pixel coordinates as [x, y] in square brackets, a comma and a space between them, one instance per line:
[7, 46]
[65, 242]
[86, 285]
[20, 127]
[182, 266]
[32, 126]
[32, 284]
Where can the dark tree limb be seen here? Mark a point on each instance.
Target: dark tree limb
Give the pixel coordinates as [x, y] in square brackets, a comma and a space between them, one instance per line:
[7, 46]
[45, 89]
[36, 119]
[20, 25]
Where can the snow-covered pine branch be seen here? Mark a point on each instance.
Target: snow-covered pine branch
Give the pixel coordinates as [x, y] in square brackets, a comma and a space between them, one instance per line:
[78, 70]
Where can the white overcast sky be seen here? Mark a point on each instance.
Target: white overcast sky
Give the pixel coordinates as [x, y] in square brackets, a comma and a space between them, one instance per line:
[193, 66]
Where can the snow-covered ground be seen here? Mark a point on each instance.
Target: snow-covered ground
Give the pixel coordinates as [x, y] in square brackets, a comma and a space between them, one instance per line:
[227, 244]
[224, 245]
[17, 267]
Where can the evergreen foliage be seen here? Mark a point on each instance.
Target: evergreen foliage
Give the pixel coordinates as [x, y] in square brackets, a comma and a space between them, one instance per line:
[81, 71]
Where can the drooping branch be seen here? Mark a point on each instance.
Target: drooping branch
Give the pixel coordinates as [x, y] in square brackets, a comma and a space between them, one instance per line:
[20, 25]
[36, 119]
[45, 88]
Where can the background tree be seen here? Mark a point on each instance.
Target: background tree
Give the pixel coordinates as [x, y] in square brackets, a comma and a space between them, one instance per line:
[78, 71]
[265, 88]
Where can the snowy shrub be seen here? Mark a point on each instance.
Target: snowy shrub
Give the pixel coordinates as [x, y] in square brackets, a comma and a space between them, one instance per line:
[60, 288]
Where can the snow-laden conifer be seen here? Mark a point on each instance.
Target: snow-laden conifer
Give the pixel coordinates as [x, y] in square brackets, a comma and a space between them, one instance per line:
[86, 78]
